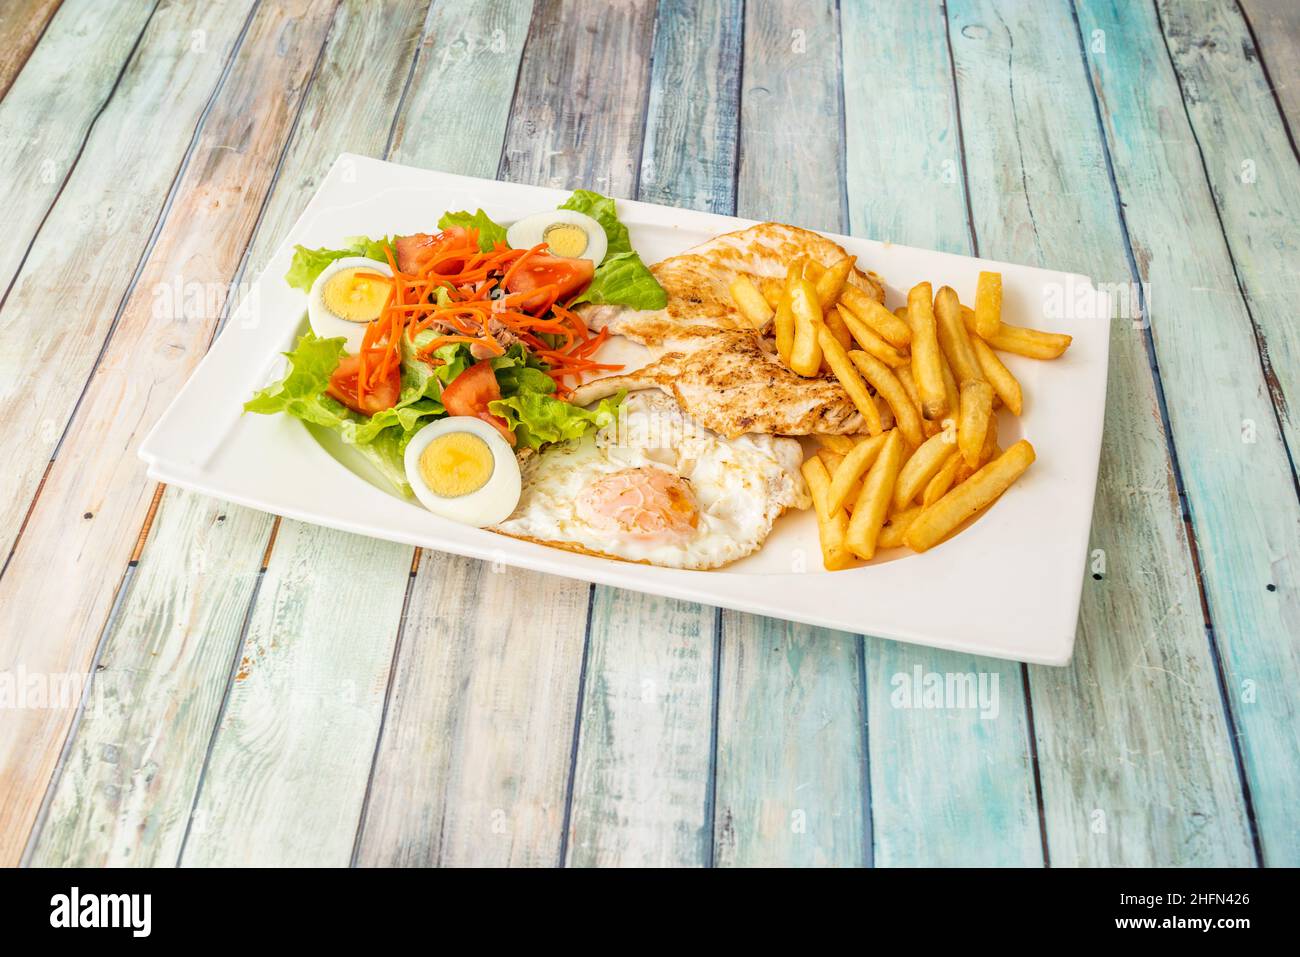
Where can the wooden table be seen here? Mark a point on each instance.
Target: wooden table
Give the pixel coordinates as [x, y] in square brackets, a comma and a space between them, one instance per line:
[273, 693]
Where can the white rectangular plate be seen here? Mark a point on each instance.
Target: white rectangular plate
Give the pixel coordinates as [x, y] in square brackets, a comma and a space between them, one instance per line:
[1009, 586]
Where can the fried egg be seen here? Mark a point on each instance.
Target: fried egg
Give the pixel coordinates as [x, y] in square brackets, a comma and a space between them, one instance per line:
[348, 295]
[566, 232]
[655, 486]
[462, 469]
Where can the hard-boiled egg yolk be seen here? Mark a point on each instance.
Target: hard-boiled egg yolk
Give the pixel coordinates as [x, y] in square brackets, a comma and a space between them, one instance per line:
[356, 294]
[456, 464]
[648, 504]
[565, 239]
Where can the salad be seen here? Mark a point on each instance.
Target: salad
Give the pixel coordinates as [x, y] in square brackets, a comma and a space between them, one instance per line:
[474, 320]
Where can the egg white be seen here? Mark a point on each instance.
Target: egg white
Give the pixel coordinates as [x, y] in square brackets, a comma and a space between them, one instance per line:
[325, 323]
[528, 232]
[741, 485]
[485, 506]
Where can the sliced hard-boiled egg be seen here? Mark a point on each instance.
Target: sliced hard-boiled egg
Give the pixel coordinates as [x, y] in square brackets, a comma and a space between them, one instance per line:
[566, 232]
[348, 294]
[462, 469]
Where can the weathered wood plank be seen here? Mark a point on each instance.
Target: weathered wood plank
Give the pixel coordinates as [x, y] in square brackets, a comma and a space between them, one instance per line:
[949, 787]
[287, 776]
[86, 521]
[1235, 470]
[791, 769]
[51, 106]
[1135, 759]
[83, 261]
[198, 640]
[1254, 179]
[22, 24]
[1275, 25]
[642, 787]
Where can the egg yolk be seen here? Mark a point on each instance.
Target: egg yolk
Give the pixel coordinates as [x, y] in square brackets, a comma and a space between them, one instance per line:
[648, 504]
[456, 464]
[565, 239]
[357, 294]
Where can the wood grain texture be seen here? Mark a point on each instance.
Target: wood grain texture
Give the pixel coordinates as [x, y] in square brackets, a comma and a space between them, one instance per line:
[287, 775]
[83, 261]
[1276, 27]
[643, 788]
[790, 785]
[1254, 178]
[50, 108]
[1135, 761]
[692, 119]
[1236, 474]
[949, 787]
[88, 517]
[22, 24]
[361, 53]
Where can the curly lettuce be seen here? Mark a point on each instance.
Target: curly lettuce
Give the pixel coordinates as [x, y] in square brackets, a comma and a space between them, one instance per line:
[309, 263]
[489, 232]
[621, 278]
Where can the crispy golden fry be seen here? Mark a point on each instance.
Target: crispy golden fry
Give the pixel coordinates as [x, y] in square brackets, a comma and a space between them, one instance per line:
[894, 330]
[938, 486]
[904, 374]
[888, 386]
[1031, 343]
[844, 370]
[964, 500]
[805, 353]
[873, 501]
[954, 340]
[901, 313]
[842, 444]
[850, 468]
[973, 419]
[950, 391]
[830, 459]
[835, 323]
[999, 376]
[927, 362]
[832, 527]
[990, 451]
[920, 468]
[750, 302]
[771, 288]
[868, 339]
[891, 536]
[988, 304]
[830, 282]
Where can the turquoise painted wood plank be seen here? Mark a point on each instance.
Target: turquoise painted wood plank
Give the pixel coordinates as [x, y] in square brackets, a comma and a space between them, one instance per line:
[1275, 26]
[85, 524]
[1238, 480]
[1254, 178]
[1135, 758]
[791, 770]
[642, 789]
[22, 24]
[50, 108]
[209, 550]
[949, 787]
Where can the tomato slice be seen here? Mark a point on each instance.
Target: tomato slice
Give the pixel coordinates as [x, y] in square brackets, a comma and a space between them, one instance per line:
[343, 386]
[417, 249]
[543, 269]
[471, 391]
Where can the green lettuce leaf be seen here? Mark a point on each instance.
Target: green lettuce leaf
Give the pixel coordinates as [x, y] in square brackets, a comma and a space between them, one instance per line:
[604, 211]
[621, 278]
[537, 418]
[489, 232]
[310, 263]
[301, 393]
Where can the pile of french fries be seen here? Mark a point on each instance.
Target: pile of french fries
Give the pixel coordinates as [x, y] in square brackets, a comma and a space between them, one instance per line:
[927, 381]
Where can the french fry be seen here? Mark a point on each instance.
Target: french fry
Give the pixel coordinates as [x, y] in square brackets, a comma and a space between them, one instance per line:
[831, 282]
[873, 501]
[842, 444]
[844, 370]
[891, 536]
[950, 391]
[976, 410]
[990, 451]
[938, 486]
[888, 386]
[771, 287]
[904, 374]
[870, 341]
[999, 376]
[830, 459]
[927, 361]
[1031, 343]
[988, 304]
[749, 300]
[805, 352]
[839, 329]
[783, 320]
[920, 468]
[832, 527]
[893, 329]
[954, 340]
[851, 468]
[984, 487]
